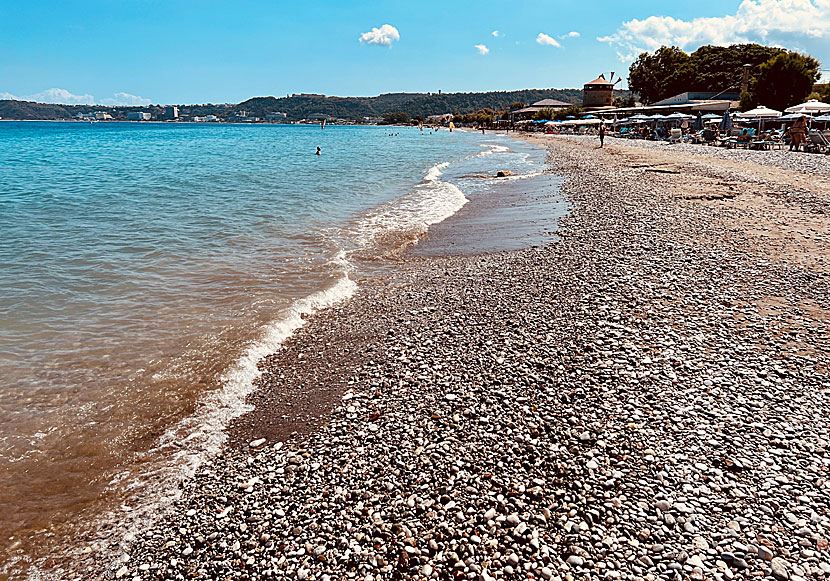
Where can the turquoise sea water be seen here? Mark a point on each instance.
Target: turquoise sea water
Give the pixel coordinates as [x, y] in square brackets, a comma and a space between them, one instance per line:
[145, 269]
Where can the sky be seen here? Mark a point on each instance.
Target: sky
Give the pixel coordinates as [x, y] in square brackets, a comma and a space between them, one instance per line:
[137, 52]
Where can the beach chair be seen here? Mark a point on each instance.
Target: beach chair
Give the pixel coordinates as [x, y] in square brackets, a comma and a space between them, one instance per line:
[816, 142]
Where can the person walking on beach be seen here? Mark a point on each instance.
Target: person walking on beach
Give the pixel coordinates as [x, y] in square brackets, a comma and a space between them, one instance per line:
[601, 135]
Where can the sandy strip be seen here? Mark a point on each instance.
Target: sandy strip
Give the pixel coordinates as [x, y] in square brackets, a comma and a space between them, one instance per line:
[646, 398]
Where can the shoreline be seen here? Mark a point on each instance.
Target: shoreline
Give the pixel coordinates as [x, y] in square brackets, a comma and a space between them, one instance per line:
[489, 397]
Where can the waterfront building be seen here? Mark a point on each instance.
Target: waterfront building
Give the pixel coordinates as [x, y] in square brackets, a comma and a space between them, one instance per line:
[530, 112]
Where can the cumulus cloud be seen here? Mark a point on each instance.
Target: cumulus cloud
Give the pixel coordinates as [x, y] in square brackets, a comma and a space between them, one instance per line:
[383, 36]
[496, 34]
[571, 34]
[755, 21]
[482, 49]
[546, 40]
[126, 99]
[61, 97]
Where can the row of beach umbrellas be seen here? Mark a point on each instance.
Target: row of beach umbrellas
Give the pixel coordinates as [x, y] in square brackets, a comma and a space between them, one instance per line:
[809, 108]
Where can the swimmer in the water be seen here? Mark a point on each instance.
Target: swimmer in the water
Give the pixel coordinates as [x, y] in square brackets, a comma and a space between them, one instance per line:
[319, 151]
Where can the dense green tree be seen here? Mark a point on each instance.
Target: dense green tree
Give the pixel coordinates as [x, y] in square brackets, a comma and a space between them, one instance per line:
[660, 75]
[713, 69]
[398, 118]
[822, 93]
[716, 69]
[784, 80]
[572, 111]
[544, 114]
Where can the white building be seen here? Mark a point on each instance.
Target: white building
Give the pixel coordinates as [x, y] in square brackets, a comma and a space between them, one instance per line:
[139, 116]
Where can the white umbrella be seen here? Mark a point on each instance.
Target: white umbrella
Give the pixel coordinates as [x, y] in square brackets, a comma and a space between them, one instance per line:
[811, 107]
[760, 112]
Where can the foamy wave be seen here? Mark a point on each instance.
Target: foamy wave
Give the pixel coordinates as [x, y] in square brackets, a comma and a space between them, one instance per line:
[491, 149]
[199, 437]
[428, 203]
[435, 171]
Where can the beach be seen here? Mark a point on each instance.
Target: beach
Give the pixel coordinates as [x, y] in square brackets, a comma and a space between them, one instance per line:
[644, 397]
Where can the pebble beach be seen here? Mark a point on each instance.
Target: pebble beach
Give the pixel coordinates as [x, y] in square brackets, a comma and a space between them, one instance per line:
[645, 397]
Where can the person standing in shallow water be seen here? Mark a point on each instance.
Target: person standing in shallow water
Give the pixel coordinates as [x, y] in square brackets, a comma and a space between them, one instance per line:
[319, 151]
[602, 135]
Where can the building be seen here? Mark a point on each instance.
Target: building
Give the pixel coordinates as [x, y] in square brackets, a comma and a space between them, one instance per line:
[697, 98]
[439, 119]
[96, 116]
[689, 102]
[530, 112]
[171, 112]
[139, 116]
[275, 116]
[598, 93]
[206, 119]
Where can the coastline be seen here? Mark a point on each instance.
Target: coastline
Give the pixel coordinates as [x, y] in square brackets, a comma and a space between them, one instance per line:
[490, 396]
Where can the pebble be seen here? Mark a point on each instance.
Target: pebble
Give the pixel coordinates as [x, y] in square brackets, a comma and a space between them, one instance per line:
[653, 384]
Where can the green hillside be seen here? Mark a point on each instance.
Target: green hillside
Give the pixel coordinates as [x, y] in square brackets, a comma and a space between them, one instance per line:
[298, 107]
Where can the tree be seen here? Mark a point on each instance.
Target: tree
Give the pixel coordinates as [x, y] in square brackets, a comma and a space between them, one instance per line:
[785, 80]
[660, 75]
[399, 118]
[822, 93]
[572, 111]
[710, 69]
[545, 114]
[717, 69]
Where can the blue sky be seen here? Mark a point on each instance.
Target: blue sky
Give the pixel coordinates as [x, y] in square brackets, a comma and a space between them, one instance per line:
[174, 51]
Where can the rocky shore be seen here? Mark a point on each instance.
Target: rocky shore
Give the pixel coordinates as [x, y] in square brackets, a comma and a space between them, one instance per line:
[646, 398]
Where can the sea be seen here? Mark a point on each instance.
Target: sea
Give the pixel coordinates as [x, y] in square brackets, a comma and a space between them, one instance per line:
[145, 269]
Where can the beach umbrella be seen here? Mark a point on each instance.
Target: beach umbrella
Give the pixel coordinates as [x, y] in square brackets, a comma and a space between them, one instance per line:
[822, 118]
[760, 112]
[638, 117]
[726, 122]
[811, 107]
[698, 123]
[710, 116]
[790, 117]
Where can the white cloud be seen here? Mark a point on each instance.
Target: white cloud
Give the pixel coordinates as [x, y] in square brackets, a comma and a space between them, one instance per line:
[755, 21]
[482, 49]
[496, 34]
[62, 97]
[546, 40]
[127, 100]
[571, 34]
[383, 36]
[8, 97]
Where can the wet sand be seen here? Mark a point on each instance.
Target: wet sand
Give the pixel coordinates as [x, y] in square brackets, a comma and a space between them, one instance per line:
[646, 397]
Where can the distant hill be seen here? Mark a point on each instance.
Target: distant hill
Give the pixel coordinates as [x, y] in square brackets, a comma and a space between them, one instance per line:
[297, 107]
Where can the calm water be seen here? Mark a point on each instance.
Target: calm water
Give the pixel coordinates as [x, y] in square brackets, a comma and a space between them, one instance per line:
[145, 269]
